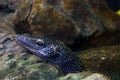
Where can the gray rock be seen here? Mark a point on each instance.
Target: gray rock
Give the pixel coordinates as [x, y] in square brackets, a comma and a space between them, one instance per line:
[84, 76]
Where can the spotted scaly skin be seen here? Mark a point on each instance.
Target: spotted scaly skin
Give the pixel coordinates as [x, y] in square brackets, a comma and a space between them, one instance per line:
[52, 51]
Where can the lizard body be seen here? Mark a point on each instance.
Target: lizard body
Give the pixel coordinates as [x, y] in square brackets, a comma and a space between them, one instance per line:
[52, 51]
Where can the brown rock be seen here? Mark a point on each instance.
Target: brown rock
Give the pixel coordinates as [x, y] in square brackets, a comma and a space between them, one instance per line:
[67, 20]
[44, 19]
[103, 60]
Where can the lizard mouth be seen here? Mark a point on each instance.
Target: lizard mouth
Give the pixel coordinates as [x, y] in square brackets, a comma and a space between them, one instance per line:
[27, 42]
[23, 40]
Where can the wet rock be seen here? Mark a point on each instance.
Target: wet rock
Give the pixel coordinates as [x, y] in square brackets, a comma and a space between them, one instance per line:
[84, 76]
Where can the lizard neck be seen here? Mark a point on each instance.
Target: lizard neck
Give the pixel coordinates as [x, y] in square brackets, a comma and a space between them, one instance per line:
[72, 65]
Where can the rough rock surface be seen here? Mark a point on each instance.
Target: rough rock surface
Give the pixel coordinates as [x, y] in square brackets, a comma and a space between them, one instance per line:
[68, 20]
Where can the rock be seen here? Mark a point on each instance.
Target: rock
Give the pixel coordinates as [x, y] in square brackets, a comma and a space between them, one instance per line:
[84, 76]
[20, 65]
[7, 14]
[108, 17]
[68, 20]
[103, 60]
[44, 19]
[64, 20]
[16, 63]
[11, 4]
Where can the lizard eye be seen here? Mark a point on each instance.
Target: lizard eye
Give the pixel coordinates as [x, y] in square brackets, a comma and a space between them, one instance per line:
[40, 42]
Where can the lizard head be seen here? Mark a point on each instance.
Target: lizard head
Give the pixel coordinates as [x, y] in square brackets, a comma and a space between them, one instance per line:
[51, 50]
